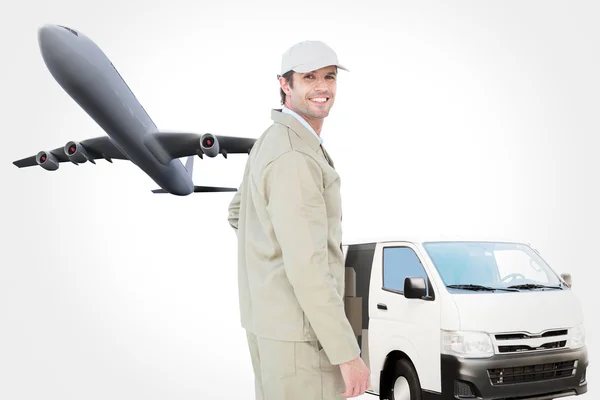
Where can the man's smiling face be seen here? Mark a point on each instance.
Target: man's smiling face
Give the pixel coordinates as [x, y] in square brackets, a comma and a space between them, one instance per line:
[312, 94]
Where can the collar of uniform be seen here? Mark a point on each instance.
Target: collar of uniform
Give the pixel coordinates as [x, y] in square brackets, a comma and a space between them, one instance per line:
[291, 122]
[304, 122]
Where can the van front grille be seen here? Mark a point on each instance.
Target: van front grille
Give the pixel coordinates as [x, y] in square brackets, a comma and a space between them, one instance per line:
[532, 373]
[523, 347]
[516, 342]
[523, 335]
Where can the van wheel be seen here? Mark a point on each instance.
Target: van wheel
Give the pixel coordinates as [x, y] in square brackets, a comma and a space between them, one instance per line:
[405, 383]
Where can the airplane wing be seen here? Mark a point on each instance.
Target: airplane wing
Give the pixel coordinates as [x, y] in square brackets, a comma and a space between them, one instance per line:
[87, 150]
[183, 144]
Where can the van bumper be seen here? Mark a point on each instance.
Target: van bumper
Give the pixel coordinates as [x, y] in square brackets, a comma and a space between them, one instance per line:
[539, 376]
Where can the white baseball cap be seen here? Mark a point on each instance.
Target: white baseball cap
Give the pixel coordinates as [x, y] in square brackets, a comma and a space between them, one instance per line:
[307, 56]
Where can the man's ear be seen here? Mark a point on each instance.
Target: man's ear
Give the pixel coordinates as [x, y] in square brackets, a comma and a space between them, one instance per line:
[285, 86]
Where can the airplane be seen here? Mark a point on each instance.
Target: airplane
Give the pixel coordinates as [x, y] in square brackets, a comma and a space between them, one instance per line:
[84, 71]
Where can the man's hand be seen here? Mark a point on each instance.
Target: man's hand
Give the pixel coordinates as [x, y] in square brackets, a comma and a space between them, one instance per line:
[357, 377]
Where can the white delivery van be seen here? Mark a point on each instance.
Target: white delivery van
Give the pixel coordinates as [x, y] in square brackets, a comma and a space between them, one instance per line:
[464, 320]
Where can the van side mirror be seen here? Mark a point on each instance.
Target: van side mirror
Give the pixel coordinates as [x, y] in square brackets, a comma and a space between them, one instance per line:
[415, 288]
[567, 278]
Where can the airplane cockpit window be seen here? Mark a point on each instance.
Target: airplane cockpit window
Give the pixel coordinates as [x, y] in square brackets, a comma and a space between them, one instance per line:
[70, 30]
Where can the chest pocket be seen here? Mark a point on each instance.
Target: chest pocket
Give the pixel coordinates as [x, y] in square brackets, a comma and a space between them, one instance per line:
[330, 176]
[331, 190]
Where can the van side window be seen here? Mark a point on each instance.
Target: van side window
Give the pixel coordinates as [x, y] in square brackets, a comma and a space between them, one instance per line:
[400, 263]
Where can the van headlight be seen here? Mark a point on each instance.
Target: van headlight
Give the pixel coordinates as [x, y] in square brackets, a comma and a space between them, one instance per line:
[467, 344]
[577, 336]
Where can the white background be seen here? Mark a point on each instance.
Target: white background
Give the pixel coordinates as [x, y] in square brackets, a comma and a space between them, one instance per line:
[470, 118]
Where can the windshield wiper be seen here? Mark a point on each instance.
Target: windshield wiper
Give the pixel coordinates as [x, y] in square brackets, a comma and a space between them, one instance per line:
[534, 286]
[470, 286]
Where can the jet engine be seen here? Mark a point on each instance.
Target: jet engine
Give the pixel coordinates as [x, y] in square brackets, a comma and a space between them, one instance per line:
[47, 160]
[76, 152]
[209, 145]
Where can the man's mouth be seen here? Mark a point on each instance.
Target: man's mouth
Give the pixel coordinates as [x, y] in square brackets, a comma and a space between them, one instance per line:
[320, 100]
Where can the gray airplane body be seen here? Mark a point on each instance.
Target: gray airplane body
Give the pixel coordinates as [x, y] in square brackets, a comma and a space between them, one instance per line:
[83, 70]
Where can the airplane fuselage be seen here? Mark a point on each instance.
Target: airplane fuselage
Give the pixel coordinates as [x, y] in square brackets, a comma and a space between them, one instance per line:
[88, 76]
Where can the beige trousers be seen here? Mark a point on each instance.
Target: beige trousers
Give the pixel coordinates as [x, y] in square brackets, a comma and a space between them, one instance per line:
[293, 371]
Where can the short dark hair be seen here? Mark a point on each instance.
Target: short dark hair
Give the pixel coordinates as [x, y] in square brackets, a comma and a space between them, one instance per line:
[289, 76]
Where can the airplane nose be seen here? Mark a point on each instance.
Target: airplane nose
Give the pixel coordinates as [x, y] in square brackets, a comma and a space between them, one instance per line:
[60, 54]
[51, 35]
[46, 30]
[47, 36]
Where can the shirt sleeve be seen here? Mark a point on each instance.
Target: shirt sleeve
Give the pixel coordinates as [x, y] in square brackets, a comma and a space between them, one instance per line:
[233, 215]
[233, 210]
[295, 202]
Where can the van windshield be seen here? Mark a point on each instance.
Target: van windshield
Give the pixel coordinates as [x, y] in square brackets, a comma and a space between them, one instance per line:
[491, 265]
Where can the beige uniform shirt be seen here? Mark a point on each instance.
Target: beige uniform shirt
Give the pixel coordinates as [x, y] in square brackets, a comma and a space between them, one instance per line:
[287, 217]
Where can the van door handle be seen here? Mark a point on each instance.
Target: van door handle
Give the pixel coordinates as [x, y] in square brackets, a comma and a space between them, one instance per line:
[381, 306]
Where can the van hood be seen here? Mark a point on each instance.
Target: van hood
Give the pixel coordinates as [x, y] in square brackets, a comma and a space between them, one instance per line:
[530, 311]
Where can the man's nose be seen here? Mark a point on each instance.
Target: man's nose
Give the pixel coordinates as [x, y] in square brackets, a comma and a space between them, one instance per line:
[321, 85]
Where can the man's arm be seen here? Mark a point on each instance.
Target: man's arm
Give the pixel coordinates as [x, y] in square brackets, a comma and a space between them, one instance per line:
[234, 205]
[234, 209]
[299, 216]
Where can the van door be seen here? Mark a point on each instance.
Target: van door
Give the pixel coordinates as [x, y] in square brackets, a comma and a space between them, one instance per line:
[411, 326]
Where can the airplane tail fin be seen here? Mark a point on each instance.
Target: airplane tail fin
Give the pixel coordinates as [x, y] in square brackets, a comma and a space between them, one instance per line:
[203, 189]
